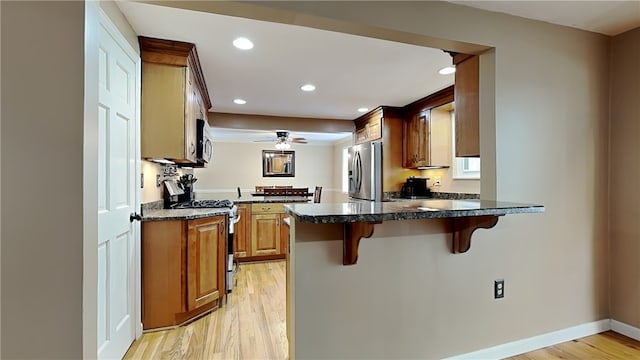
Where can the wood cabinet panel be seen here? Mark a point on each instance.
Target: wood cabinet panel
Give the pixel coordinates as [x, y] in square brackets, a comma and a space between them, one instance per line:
[270, 208]
[161, 135]
[467, 102]
[265, 239]
[416, 137]
[163, 249]
[183, 269]
[206, 271]
[242, 235]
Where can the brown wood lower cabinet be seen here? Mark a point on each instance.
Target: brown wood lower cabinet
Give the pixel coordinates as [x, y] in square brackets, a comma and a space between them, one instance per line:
[242, 232]
[265, 234]
[261, 234]
[183, 269]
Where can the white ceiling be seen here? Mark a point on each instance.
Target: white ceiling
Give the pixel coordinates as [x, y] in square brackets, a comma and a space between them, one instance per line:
[349, 71]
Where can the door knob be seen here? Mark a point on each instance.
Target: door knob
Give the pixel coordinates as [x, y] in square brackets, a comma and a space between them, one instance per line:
[134, 216]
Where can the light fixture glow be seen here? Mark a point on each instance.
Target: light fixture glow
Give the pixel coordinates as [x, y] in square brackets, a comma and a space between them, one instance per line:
[363, 109]
[239, 101]
[447, 70]
[162, 161]
[283, 145]
[307, 87]
[243, 43]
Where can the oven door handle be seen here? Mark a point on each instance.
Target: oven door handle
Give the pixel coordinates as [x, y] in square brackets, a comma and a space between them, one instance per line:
[236, 219]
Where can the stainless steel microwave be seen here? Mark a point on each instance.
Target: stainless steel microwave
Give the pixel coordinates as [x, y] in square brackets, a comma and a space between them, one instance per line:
[204, 142]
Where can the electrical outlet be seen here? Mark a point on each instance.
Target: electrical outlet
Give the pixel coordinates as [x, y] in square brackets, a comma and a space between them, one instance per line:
[436, 181]
[498, 289]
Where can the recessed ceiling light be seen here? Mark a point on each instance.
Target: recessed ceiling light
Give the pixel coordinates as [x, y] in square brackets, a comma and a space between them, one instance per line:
[307, 87]
[243, 43]
[447, 70]
[363, 110]
[239, 101]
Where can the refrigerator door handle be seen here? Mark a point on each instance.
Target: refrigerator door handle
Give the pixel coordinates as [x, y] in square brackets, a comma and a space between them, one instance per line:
[358, 172]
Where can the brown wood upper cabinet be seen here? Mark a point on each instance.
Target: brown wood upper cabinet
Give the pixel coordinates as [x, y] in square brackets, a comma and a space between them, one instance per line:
[369, 126]
[416, 140]
[385, 124]
[427, 131]
[467, 105]
[174, 96]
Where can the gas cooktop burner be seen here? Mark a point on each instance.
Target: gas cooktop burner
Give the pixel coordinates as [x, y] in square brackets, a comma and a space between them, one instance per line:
[203, 204]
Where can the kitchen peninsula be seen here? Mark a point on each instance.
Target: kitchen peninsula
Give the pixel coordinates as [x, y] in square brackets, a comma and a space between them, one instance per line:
[381, 306]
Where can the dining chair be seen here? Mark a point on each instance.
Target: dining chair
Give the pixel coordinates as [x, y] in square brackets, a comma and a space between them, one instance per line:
[316, 194]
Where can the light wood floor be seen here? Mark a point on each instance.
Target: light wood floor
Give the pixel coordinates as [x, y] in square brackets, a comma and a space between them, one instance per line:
[606, 345]
[252, 325]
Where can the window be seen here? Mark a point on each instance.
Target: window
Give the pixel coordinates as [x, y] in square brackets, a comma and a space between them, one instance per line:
[463, 167]
[345, 170]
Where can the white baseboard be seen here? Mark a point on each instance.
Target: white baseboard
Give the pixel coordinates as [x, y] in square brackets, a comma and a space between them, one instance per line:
[538, 342]
[626, 330]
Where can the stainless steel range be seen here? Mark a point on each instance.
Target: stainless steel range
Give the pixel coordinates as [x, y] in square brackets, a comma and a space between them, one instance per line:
[232, 264]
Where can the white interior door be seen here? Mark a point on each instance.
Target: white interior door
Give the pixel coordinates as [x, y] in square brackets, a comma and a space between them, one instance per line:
[117, 195]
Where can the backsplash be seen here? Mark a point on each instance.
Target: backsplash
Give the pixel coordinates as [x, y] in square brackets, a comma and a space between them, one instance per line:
[150, 170]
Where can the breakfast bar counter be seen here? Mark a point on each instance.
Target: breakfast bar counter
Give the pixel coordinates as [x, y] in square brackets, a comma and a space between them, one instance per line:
[368, 211]
[359, 217]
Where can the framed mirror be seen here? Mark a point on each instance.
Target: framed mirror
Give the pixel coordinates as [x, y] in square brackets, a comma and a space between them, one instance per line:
[278, 163]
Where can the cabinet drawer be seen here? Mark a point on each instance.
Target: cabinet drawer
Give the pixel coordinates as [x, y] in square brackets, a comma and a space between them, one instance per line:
[267, 208]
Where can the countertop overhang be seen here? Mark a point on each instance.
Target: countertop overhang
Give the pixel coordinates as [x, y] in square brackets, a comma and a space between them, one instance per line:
[359, 217]
[369, 211]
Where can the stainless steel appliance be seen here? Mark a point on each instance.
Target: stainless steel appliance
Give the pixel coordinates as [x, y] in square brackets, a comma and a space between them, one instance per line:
[365, 171]
[234, 217]
[204, 142]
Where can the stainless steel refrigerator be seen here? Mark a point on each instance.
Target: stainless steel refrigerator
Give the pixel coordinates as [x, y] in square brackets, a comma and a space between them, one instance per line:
[365, 171]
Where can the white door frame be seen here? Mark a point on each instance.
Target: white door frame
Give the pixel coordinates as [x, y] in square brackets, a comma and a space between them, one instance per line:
[94, 16]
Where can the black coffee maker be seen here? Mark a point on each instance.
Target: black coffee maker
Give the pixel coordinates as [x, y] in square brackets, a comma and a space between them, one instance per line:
[186, 183]
[415, 187]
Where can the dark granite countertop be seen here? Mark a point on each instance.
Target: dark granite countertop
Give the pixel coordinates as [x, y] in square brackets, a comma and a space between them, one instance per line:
[154, 212]
[367, 211]
[182, 214]
[247, 198]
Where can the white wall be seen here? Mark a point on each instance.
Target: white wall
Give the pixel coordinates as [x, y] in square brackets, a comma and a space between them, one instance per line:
[240, 164]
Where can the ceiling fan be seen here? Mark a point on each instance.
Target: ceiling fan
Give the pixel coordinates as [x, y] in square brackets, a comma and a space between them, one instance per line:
[283, 141]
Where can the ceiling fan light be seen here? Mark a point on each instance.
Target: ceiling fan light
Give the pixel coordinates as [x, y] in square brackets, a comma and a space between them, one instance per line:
[283, 145]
